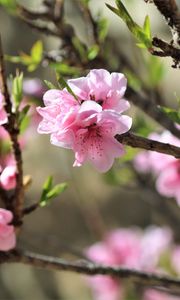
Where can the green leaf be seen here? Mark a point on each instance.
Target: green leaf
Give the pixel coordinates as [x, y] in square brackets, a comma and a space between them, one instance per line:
[173, 114]
[63, 84]
[135, 29]
[133, 80]
[37, 52]
[102, 29]
[79, 47]
[17, 89]
[13, 59]
[23, 114]
[11, 5]
[147, 27]
[93, 52]
[50, 85]
[65, 69]
[49, 192]
[156, 70]
[57, 190]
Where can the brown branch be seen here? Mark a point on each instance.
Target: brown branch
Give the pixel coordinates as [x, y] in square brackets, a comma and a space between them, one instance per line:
[169, 9]
[88, 268]
[135, 141]
[13, 130]
[167, 50]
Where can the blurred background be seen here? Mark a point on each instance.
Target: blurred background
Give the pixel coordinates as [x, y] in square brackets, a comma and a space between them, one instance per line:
[93, 203]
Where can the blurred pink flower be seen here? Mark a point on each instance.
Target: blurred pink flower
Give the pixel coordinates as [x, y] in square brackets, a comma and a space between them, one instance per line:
[33, 87]
[151, 294]
[3, 115]
[130, 248]
[165, 167]
[8, 177]
[7, 232]
[88, 126]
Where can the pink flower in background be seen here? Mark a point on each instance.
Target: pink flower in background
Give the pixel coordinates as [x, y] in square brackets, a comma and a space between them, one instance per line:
[88, 125]
[33, 87]
[151, 294]
[3, 115]
[7, 232]
[129, 248]
[165, 167]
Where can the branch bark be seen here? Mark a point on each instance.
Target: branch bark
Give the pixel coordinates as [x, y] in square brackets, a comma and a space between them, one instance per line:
[13, 130]
[136, 141]
[157, 281]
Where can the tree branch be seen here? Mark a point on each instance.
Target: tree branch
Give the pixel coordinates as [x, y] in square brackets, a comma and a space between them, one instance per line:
[136, 141]
[13, 130]
[169, 284]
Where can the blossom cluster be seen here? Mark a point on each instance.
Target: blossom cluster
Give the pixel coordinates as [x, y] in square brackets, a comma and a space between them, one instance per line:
[133, 248]
[88, 119]
[165, 168]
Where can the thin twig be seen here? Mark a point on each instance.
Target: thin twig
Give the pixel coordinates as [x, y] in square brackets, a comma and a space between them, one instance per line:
[169, 284]
[136, 141]
[13, 130]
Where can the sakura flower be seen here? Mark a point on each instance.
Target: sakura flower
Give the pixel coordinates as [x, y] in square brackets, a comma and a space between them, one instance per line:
[165, 167]
[90, 134]
[104, 88]
[7, 232]
[129, 248]
[8, 177]
[88, 125]
[3, 115]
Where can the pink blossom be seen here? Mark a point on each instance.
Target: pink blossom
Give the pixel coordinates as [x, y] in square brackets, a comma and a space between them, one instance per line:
[3, 115]
[7, 232]
[104, 88]
[88, 126]
[33, 87]
[165, 167]
[8, 177]
[129, 248]
[151, 294]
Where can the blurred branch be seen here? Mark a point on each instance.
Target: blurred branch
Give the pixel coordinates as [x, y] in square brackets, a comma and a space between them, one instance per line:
[135, 141]
[13, 130]
[143, 102]
[169, 284]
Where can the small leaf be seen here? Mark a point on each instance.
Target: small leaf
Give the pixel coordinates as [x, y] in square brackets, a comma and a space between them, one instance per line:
[171, 113]
[63, 84]
[50, 85]
[57, 190]
[93, 52]
[135, 29]
[147, 27]
[17, 89]
[37, 52]
[65, 69]
[79, 47]
[23, 114]
[102, 28]
[11, 5]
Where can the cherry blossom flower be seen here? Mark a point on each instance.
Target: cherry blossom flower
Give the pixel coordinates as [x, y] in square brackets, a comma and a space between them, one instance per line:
[88, 125]
[3, 115]
[104, 88]
[130, 248]
[7, 232]
[165, 167]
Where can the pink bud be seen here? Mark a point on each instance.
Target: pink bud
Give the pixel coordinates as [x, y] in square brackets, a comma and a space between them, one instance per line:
[7, 232]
